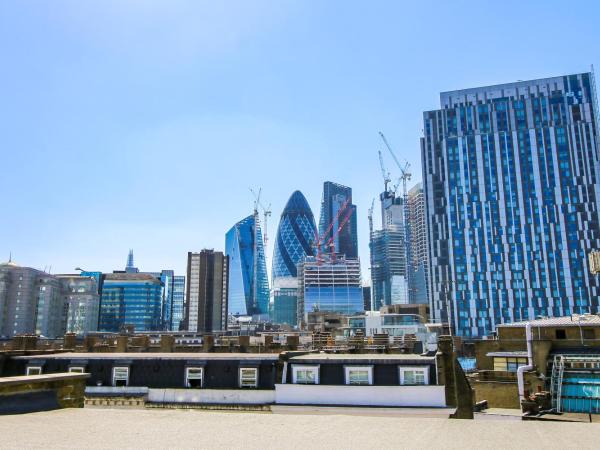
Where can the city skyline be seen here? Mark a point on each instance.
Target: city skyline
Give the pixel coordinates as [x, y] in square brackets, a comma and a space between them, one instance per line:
[104, 133]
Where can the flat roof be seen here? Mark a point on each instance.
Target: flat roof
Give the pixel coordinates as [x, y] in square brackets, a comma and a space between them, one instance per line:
[214, 356]
[575, 320]
[362, 358]
[508, 354]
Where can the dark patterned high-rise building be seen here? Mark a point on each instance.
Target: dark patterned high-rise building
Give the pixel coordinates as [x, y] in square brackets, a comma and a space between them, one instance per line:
[206, 305]
[511, 180]
[336, 197]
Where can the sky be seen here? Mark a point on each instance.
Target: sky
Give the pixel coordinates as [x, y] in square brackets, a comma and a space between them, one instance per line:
[143, 124]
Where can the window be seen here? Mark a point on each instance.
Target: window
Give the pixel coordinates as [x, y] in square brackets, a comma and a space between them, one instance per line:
[248, 377]
[588, 333]
[561, 334]
[359, 374]
[194, 377]
[120, 376]
[305, 374]
[76, 369]
[34, 370]
[414, 375]
[509, 364]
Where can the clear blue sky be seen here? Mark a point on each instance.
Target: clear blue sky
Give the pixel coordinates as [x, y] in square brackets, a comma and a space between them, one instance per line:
[142, 124]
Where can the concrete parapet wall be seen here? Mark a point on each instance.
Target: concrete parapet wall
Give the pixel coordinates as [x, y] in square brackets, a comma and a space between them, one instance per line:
[23, 394]
[213, 396]
[404, 396]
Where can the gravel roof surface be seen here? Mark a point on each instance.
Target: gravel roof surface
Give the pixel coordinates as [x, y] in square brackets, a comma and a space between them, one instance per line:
[143, 428]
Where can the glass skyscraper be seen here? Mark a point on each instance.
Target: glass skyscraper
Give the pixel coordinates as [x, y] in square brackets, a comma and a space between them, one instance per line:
[248, 294]
[296, 238]
[511, 180]
[334, 197]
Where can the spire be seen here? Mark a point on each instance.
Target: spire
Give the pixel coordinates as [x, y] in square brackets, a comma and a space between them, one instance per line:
[130, 268]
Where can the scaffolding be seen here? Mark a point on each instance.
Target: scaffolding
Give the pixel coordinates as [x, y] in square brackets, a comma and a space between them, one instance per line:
[575, 383]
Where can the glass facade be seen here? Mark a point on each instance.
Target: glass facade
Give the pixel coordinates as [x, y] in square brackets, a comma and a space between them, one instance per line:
[178, 299]
[284, 306]
[131, 299]
[295, 237]
[248, 294]
[511, 185]
[346, 240]
[330, 285]
[173, 289]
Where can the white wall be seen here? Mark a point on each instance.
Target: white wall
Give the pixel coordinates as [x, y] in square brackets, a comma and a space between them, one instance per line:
[302, 394]
[213, 396]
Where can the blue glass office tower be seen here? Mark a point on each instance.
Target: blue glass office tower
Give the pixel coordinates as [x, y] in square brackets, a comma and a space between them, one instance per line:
[334, 197]
[296, 238]
[511, 179]
[131, 299]
[248, 293]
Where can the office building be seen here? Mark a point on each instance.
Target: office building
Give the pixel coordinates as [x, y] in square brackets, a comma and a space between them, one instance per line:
[295, 240]
[31, 302]
[367, 302]
[417, 232]
[83, 303]
[173, 290]
[283, 309]
[511, 191]
[131, 299]
[337, 210]
[206, 307]
[177, 302]
[248, 290]
[331, 284]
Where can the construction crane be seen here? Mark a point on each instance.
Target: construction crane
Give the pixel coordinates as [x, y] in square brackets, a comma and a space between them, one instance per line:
[405, 174]
[321, 242]
[266, 214]
[371, 214]
[384, 173]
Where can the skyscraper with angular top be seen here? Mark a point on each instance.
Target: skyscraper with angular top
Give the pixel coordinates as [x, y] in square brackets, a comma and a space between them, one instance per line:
[511, 181]
[336, 197]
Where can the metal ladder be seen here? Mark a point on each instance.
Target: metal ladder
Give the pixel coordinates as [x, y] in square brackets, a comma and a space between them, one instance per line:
[558, 368]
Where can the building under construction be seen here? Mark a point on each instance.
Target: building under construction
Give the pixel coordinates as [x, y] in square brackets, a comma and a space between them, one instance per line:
[330, 283]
